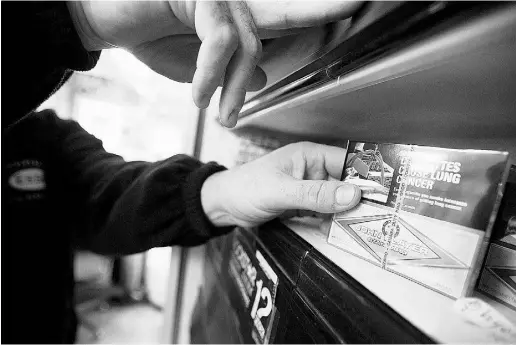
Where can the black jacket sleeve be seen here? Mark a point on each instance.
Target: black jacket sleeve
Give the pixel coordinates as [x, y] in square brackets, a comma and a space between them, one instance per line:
[40, 50]
[129, 207]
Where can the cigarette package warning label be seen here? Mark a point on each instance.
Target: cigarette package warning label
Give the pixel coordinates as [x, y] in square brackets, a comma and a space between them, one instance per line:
[425, 214]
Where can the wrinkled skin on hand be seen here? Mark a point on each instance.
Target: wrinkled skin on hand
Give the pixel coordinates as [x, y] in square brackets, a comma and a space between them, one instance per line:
[301, 176]
[207, 43]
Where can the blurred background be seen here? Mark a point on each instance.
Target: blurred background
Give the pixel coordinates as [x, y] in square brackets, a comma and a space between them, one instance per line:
[141, 115]
[138, 115]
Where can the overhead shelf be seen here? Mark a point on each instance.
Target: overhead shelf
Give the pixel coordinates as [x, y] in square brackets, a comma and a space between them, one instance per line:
[455, 88]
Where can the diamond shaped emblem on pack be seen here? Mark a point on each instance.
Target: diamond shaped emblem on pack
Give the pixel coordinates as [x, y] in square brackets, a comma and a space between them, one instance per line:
[409, 246]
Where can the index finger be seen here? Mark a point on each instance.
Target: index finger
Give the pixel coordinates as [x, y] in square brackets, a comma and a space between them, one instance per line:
[242, 66]
[219, 42]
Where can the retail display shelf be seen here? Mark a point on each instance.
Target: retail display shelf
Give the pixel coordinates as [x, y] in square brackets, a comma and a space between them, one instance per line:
[432, 313]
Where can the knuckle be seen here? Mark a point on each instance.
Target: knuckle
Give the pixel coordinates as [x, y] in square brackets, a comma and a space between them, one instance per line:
[317, 195]
[298, 146]
[291, 146]
[302, 147]
[253, 47]
[227, 37]
[306, 145]
[287, 149]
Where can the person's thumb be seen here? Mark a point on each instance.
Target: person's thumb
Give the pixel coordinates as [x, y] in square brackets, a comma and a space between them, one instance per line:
[323, 196]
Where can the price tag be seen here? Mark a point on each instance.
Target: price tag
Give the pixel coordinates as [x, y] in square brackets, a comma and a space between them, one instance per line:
[482, 315]
[257, 283]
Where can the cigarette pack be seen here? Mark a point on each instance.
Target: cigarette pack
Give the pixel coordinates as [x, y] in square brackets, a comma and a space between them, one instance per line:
[426, 213]
[498, 277]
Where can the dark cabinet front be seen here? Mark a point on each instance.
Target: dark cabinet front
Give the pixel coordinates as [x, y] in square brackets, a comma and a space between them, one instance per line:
[313, 300]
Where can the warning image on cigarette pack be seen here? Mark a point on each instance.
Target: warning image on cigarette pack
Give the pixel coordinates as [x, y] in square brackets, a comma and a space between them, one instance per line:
[370, 167]
[425, 212]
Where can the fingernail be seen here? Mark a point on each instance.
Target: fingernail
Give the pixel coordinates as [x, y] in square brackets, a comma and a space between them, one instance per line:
[204, 101]
[233, 117]
[347, 194]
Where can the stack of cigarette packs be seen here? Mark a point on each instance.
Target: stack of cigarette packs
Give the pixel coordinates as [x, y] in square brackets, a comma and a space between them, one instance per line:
[498, 277]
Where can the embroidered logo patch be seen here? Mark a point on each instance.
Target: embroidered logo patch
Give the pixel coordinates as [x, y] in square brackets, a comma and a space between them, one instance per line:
[30, 179]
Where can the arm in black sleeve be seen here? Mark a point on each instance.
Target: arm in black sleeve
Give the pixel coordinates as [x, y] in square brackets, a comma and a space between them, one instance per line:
[130, 207]
[41, 49]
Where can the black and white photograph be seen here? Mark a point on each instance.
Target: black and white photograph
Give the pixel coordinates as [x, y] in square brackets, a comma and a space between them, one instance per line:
[258, 172]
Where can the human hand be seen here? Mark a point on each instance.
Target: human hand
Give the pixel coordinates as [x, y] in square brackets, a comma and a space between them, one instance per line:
[208, 43]
[301, 176]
